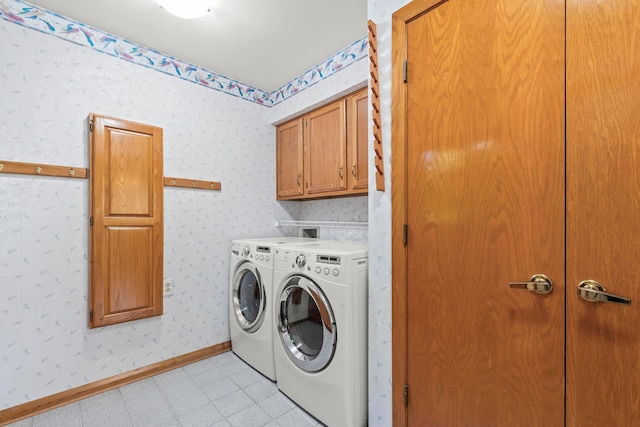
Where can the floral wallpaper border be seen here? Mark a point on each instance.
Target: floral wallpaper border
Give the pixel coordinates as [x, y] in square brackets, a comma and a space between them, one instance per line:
[44, 21]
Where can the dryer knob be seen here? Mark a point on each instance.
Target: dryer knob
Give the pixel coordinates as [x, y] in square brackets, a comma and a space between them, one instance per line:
[301, 260]
[246, 250]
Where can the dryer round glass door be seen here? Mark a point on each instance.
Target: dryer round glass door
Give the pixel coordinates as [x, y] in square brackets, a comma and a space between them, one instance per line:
[248, 297]
[306, 324]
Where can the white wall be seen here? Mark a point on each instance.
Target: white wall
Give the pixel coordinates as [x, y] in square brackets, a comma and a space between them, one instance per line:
[380, 342]
[47, 89]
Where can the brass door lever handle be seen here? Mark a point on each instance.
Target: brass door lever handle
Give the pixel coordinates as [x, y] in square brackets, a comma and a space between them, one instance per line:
[539, 284]
[592, 291]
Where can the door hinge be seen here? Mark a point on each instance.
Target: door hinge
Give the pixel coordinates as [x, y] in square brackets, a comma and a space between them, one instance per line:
[90, 126]
[404, 71]
[405, 234]
[91, 220]
[406, 395]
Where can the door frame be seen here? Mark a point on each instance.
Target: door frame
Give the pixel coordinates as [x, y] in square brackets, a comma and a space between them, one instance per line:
[399, 205]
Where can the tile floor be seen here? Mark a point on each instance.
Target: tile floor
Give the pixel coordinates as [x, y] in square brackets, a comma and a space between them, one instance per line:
[220, 391]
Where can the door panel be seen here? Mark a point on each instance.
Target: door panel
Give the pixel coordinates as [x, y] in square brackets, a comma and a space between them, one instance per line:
[125, 269]
[326, 149]
[358, 139]
[485, 175]
[603, 201]
[130, 162]
[289, 151]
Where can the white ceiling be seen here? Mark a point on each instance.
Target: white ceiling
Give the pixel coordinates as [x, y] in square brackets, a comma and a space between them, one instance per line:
[262, 43]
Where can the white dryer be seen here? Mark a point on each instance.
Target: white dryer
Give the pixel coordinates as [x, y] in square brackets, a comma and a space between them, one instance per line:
[251, 320]
[321, 333]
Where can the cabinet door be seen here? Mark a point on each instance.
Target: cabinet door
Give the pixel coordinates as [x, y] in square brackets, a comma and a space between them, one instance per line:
[126, 238]
[325, 149]
[289, 159]
[357, 124]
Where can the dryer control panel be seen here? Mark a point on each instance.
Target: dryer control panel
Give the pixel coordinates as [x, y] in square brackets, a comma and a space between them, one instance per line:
[258, 254]
[323, 265]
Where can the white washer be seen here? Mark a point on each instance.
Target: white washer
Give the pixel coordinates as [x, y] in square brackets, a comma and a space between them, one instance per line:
[320, 347]
[251, 320]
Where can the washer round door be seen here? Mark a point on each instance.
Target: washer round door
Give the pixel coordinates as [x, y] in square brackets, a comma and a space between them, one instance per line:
[306, 324]
[248, 297]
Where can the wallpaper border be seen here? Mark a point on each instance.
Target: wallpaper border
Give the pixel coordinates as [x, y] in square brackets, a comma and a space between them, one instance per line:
[47, 22]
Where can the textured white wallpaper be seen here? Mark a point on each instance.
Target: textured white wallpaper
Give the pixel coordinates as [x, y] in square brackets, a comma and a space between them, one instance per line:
[47, 89]
[380, 405]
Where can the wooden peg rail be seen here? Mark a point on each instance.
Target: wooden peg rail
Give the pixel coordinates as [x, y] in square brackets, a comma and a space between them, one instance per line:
[192, 183]
[73, 172]
[40, 169]
[374, 84]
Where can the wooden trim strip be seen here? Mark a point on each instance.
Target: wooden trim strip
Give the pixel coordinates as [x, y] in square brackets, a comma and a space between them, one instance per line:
[44, 404]
[192, 183]
[42, 169]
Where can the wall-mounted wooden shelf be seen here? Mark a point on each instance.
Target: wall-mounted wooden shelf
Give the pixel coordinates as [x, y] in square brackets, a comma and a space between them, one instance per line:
[42, 169]
[192, 183]
[374, 84]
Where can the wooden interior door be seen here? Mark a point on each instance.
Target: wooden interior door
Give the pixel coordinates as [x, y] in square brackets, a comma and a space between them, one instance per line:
[603, 201]
[483, 176]
[127, 221]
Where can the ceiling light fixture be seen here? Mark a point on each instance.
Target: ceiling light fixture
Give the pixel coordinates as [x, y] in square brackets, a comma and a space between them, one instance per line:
[186, 9]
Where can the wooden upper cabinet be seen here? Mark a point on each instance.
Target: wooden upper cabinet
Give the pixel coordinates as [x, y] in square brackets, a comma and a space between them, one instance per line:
[289, 159]
[126, 209]
[358, 138]
[333, 142]
[325, 149]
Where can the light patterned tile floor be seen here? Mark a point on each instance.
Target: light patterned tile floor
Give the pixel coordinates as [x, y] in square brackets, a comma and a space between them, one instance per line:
[220, 391]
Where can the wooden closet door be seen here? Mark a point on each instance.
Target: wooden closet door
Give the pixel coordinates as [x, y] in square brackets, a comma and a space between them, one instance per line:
[603, 206]
[127, 221]
[484, 200]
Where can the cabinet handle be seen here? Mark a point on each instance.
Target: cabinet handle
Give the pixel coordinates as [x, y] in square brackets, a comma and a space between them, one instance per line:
[340, 173]
[298, 180]
[353, 170]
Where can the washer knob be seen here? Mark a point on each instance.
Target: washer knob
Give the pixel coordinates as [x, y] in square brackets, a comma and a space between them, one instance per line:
[246, 250]
[301, 260]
